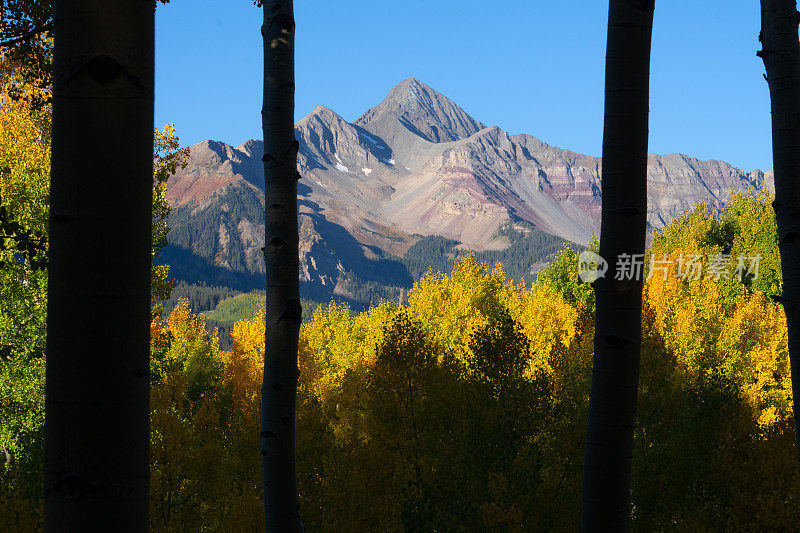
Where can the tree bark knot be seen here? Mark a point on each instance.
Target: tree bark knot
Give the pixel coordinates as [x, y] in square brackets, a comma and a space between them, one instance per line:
[611, 341]
[294, 147]
[75, 485]
[103, 69]
[276, 243]
[283, 21]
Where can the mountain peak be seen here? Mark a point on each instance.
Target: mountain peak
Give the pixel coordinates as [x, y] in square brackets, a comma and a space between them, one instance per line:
[409, 85]
[321, 114]
[423, 111]
[414, 90]
[251, 146]
[323, 110]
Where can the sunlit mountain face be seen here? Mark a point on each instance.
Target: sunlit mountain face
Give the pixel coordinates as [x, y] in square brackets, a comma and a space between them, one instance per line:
[411, 170]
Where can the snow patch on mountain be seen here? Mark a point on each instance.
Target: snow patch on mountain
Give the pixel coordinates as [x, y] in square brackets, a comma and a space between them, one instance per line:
[340, 166]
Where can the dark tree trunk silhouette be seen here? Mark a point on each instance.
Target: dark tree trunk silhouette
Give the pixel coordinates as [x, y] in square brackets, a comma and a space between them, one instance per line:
[615, 375]
[781, 56]
[283, 318]
[98, 312]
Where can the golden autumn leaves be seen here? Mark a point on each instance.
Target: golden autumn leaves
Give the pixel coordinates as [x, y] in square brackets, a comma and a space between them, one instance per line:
[408, 417]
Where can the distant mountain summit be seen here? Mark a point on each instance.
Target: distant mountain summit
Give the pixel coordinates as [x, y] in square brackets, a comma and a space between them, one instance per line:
[415, 165]
[422, 111]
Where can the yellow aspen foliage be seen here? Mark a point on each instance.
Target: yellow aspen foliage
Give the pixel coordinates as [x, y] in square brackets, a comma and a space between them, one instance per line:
[751, 219]
[244, 365]
[402, 423]
[715, 390]
[184, 458]
[327, 338]
[747, 345]
[688, 313]
[451, 308]
[755, 345]
[465, 409]
[24, 195]
[240, 400]
[194, 351]
[187, 483]
[336, 341]
[168, 157]
[243, 374]
[548, 321]
[24, 150]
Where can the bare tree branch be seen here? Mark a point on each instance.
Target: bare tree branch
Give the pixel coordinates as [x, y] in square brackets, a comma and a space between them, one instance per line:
[47, 26]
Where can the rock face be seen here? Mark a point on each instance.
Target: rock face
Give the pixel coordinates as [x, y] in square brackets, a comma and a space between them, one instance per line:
[214, 165]
[422, 112]
[415, 164]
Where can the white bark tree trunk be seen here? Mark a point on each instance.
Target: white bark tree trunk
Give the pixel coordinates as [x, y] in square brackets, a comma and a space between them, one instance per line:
[283, 317]
[605, 504]
[781, 56]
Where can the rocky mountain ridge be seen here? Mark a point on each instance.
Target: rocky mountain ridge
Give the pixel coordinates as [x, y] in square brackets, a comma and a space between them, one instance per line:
[415, 165]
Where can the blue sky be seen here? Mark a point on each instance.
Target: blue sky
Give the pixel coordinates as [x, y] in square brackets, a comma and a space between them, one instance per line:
[528, 66]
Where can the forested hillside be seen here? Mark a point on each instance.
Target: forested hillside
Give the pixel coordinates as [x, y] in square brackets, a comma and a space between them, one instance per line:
[465, 408]
[527, 251]
[206, 247]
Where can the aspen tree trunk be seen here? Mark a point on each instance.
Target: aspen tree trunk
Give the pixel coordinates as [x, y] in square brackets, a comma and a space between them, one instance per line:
[781, 56]
[278, 392]
[615, 375]
[98, 310]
